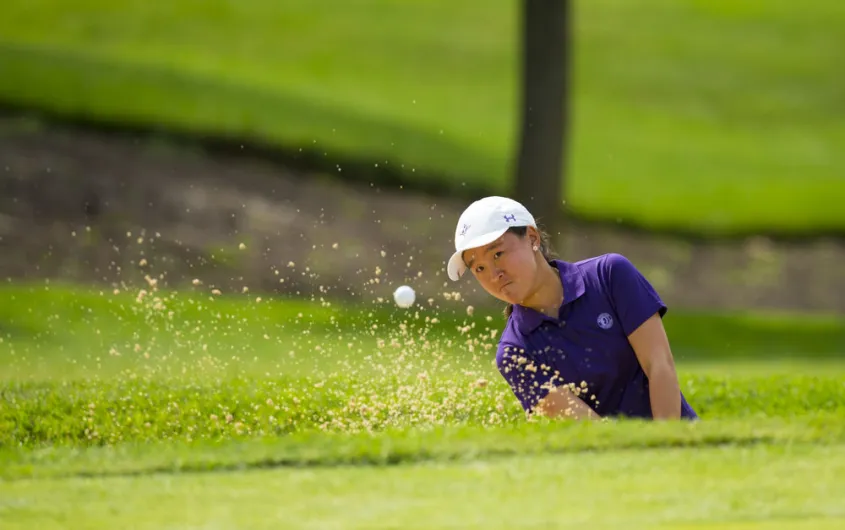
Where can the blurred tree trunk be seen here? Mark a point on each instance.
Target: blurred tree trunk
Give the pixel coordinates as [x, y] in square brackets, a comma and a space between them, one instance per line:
[546, 26]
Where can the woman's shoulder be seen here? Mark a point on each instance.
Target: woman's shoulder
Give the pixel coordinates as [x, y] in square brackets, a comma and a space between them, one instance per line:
[607, 261]
[605, 268]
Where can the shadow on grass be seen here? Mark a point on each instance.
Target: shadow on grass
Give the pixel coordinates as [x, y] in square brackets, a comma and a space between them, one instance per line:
[227, 117]
[185, 109]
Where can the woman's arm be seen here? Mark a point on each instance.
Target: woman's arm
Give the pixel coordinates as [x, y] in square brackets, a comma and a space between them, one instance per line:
[539, 391]
[651, 345]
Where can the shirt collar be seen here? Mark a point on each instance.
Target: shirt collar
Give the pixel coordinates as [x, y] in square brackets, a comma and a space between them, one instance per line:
[573, 287]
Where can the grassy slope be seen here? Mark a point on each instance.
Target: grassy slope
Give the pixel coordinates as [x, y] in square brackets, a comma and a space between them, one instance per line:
[674, 127]
[403, 445]
[157, 417]
[155, 376]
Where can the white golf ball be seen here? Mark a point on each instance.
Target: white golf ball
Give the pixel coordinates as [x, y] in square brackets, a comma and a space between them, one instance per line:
[404, 296]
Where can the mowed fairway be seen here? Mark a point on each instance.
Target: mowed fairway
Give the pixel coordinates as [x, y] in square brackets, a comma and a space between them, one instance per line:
[193, 410]
[716, 116]
[748, 487]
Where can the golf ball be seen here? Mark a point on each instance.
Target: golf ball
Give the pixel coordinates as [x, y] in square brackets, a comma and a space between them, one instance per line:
[404, 296]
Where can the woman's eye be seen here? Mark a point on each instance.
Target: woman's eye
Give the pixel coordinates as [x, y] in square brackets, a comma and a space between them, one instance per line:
[479, 269]
[497, 254]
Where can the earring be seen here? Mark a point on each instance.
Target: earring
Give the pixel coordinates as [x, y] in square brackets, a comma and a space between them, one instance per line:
[536, 248]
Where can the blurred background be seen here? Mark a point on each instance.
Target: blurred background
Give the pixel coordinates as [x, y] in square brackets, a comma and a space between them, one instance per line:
[325, 149]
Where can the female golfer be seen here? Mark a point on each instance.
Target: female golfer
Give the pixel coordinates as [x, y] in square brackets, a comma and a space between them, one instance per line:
[582, 340]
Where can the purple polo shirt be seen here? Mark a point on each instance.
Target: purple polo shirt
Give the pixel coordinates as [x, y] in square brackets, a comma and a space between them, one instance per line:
[605, 299]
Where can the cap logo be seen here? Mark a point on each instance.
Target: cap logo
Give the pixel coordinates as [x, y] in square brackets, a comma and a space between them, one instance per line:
[464, 230]
[510, 218]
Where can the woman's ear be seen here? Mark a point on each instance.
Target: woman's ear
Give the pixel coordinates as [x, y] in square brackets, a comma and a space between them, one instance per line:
[533, 238]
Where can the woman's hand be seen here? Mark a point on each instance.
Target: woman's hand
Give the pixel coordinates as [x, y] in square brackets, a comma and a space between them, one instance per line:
[561, 402]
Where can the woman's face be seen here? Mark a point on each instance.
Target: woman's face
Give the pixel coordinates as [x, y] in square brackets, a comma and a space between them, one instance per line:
[506, 268]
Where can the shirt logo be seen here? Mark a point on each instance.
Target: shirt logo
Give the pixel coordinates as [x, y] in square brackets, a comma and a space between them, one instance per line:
[605, 321]
[510, 218]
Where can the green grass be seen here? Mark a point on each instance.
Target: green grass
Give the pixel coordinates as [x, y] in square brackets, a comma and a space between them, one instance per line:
[761, 487]
[246, 411]
[60, 331]
[717, 117]
[400, 445]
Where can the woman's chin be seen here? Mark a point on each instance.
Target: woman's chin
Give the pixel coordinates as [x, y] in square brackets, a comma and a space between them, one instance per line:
[510, 294]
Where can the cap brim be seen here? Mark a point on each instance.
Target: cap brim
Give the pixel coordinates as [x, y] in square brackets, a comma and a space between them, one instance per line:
[456, 266]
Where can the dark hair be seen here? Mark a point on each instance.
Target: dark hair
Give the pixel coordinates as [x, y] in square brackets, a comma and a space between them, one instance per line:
[545, 249]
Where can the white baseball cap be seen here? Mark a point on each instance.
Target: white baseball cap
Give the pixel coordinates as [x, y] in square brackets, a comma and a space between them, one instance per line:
[483, 222]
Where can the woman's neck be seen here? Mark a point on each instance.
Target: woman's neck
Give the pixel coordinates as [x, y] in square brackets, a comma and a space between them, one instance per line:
[547, 297]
